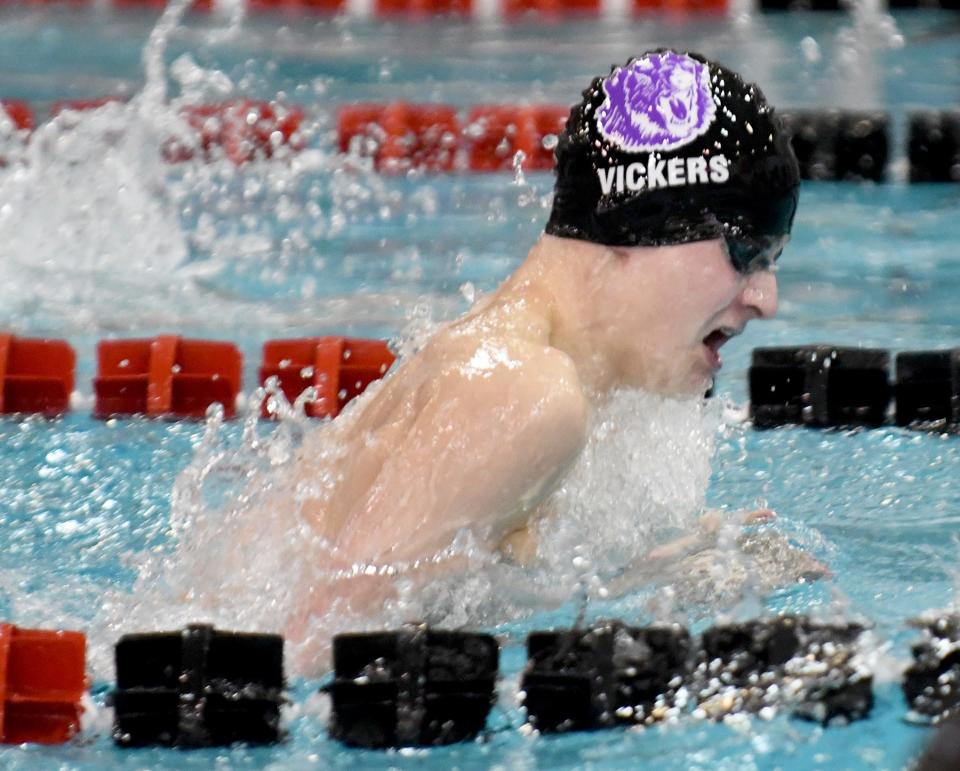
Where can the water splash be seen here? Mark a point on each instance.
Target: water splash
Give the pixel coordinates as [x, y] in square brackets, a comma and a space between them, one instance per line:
[104, 212]
[245, 553]
[643, 475]
[101, 233]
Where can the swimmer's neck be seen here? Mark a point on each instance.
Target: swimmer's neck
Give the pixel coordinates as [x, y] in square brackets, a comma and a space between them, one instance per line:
[549, 300]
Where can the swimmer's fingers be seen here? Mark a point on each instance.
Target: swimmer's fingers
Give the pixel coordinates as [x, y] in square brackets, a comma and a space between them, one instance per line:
[759, 516]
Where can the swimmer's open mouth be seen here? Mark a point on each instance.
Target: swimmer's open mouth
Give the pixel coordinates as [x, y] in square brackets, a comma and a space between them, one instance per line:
[716, 339]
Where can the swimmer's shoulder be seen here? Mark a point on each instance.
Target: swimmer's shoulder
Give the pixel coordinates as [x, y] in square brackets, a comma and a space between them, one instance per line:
[524, 374]
[557, 399]
[554, 376]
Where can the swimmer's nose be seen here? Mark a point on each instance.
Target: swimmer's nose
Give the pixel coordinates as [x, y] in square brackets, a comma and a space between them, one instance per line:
[760, 293]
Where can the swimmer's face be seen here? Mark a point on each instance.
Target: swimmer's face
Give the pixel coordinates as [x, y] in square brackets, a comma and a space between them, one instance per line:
[668, 310]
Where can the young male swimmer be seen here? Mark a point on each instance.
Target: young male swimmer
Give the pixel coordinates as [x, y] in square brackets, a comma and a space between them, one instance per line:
[675, 194]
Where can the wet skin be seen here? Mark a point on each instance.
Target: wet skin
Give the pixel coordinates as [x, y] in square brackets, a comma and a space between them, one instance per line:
[477, 429]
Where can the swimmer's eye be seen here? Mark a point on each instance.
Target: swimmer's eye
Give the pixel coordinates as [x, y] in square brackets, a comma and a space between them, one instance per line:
[751, 254]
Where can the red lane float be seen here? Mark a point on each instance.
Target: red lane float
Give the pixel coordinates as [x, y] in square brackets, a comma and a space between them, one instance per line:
[424, 7]
[245, 130]
[166, 376]
[401, 136]
[339, 368]
[496, 133]
[396, 136]
[19, 113]
[36, 375]
[41, 684]
[81, 105]
[322, 6]
[242, 130]
[196, 5]
[514, 8]
[641, 7]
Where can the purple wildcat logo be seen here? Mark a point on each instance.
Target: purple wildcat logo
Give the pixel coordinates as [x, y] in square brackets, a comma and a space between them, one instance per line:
[659, 102]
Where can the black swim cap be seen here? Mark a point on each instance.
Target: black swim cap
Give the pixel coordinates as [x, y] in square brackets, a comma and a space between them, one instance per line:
[673, 148]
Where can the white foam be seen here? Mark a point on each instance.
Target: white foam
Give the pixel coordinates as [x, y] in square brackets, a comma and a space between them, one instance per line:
[643, 473]
[100, 230]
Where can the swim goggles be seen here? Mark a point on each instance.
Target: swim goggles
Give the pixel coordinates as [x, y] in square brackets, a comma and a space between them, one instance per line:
[752, 253]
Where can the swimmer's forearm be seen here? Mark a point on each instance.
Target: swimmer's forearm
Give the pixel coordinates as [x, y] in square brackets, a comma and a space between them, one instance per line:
[680, 547]
[651, 563]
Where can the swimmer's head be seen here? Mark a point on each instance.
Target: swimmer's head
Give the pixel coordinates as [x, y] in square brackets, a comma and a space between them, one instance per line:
[673, 148]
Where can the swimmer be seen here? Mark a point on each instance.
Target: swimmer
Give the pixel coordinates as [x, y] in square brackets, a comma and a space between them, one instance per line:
[675, 194]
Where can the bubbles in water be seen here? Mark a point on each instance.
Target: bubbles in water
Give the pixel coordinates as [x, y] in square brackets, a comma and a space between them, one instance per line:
[810, 50]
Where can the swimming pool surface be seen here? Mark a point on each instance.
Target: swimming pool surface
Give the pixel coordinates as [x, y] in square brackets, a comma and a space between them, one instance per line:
[101, 240]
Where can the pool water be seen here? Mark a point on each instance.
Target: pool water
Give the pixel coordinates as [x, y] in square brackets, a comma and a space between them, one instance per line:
[100, 239]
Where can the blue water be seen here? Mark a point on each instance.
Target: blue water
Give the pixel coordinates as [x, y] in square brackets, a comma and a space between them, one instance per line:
[306, 252]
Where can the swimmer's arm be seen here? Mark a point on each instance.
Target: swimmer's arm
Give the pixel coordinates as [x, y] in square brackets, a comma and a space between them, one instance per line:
[483, 452]
[703, 538]
[708, 526]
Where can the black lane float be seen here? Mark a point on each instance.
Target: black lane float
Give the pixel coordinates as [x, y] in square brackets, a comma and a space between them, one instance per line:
[931, 683]
[412, 687]
[933, 146]
[826, 385]
[819, 385]
[840, 145]
[927, 390]
[578, 679]
[789, 661]
[199, 687]
[613, 674]
[417, 686]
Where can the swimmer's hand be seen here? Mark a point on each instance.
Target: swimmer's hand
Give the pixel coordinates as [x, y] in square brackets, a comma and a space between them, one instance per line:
[762, 547]
[778, 562]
